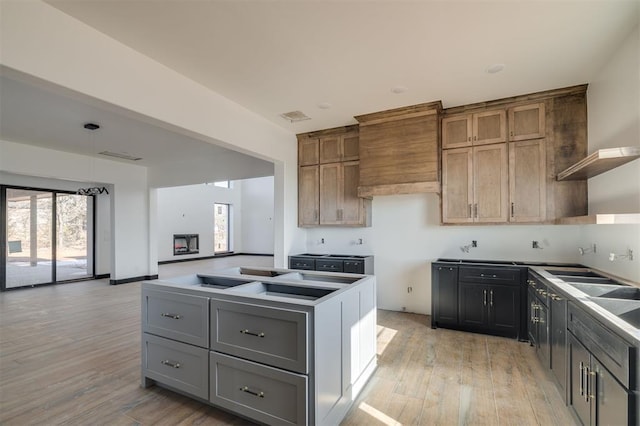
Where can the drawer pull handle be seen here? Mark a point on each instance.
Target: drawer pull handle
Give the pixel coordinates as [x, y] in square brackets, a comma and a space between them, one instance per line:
[170, 363]
[251, 333]
[250, 392]
[172, 316]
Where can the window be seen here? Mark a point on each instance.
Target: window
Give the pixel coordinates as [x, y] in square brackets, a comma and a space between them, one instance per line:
[222, 184]
[221, 228]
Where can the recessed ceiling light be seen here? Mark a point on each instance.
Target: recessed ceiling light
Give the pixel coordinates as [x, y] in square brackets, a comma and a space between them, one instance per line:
[399, 89]
[324, 105]
[495, 68]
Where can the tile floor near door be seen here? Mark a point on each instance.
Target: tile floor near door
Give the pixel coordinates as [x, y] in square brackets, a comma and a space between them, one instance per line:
[70, 354]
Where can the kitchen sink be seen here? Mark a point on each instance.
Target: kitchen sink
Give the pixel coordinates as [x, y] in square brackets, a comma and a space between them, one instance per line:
[629, 293]
[566, 273]
[597, 289]
[219, 282]
[588, 280]
[626, 310]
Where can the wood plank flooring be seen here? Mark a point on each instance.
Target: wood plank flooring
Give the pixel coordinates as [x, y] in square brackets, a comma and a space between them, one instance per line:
[70, 355]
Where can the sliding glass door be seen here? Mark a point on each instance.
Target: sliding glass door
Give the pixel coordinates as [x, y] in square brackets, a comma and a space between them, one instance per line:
[48, 236]
[74, 221]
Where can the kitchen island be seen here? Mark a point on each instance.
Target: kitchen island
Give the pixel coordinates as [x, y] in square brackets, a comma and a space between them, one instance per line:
[272, 345]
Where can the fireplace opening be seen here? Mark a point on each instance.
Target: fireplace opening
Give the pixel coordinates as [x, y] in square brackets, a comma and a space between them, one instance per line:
[185, 244]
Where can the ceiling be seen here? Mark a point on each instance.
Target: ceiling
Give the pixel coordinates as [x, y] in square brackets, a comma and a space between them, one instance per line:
[274, 57]
[41, 114]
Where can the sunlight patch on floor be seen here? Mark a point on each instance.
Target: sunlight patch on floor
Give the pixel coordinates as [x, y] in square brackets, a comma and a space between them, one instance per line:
[378, 415]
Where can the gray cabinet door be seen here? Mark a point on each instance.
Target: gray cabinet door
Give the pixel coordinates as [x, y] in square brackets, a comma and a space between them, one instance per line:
[177, 316]
[175, 364]
[262, 393]
[273, 336]
[579, 360]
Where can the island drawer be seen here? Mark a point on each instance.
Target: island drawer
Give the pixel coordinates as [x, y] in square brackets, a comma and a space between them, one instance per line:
[273, 336]
[181, 317]
[354, 266]
[176, 364]
[262, 393]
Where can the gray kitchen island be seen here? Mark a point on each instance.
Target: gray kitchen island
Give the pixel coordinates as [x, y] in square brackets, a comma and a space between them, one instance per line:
[276, 346]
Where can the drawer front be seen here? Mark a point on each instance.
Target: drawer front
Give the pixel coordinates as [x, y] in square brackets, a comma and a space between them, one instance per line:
[302, 263]
[609, 348]
[262, 393]
[179, 317]
[176, 364]
[272, 336]
[490, 275]
[353, 266]
[329, 265]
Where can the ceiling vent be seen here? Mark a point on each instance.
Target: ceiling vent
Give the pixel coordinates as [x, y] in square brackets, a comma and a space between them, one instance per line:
[120, 155]
[295, 116]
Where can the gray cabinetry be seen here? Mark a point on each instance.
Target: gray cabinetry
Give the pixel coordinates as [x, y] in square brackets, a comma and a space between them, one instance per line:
[176, 364]
[176, 316]
[539, 320]
[276, 348]
[272, 336]
[444, 299]
[266, 394]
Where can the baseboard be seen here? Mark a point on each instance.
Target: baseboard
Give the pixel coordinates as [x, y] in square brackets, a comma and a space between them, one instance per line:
[133, 279]
[164, 262]
[102, 276]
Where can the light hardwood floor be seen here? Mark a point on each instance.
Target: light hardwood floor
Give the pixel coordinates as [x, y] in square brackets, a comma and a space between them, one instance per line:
[70, 354]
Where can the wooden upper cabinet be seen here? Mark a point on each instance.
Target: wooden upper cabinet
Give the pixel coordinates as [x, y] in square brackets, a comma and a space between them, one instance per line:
[308, 151]
[490, 189]
[489, 127]
[338, 148]
[479, 128]
[527, 181]
[457, 131]
[474, 184]
[527, 122]
[328, 189]
[330, 193]
[308, 196]
[457, 185]
[353, 207]
[339, 201]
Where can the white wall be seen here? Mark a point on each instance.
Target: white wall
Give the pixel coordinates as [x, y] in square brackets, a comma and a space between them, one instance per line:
[190, 210]
[257, 215]
[614, 121]
[406, 236]
[128, 201]
[39, 40]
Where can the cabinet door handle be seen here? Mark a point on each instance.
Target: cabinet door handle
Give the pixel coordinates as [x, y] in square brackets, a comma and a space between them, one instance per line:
[475, 209]
[315, 215]
[491, 298]
[470, 213]
[512, 133]
[581, 378]
[512, 209]
[475, 138]
[586, 383]
[469, 139]
[250, 392]
[484, 296]
[171, 364]
[172, 316]
[250, 333]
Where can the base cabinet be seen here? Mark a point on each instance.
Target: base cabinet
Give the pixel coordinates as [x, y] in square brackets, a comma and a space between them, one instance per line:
[482, 299]
[595, 396]
[296, 362]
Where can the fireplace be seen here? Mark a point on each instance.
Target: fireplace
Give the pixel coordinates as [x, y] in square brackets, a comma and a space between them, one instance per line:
[185, 244]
